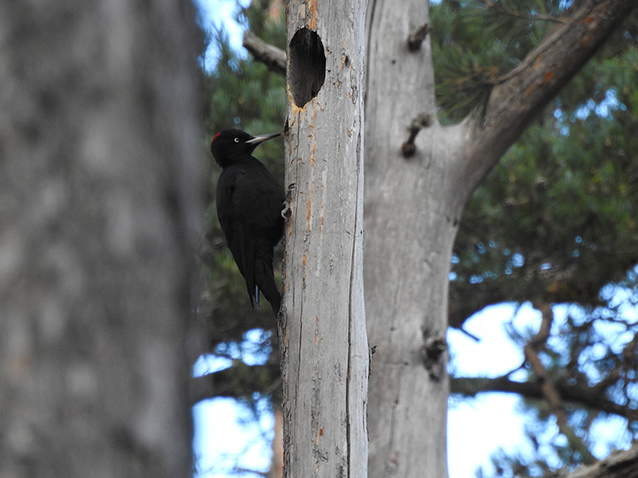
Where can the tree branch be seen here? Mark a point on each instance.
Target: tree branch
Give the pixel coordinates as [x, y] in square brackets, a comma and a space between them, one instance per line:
[417, 36]
[417, 124]
[527, 89]
[576, 394]
[238, 381]
[546, 384]
[462, 305]
[556, 285]
[271, 56]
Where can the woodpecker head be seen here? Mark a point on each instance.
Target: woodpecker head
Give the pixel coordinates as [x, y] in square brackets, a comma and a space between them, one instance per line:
[231, 144]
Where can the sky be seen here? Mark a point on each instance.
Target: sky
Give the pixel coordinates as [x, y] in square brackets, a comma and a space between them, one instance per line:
[477, 428]
[217, 14]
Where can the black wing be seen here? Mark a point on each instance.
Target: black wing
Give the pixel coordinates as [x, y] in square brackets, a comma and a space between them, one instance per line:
[249, 203]
[237, 230]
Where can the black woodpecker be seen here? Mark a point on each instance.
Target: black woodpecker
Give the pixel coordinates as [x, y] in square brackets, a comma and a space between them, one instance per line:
[249, 205]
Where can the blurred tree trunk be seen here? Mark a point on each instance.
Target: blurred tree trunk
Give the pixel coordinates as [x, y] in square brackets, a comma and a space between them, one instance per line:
[99, 180]
[323, 337]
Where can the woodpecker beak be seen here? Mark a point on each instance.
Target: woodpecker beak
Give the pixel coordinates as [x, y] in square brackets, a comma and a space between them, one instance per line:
[255, 140]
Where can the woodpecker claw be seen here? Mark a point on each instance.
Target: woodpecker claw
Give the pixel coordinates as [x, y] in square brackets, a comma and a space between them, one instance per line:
[286, 212]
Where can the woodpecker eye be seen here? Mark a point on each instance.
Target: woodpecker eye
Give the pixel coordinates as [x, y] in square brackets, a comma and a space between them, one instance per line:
[236, 140]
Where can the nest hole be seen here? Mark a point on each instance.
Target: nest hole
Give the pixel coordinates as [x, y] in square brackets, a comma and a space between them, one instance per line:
[307, 69]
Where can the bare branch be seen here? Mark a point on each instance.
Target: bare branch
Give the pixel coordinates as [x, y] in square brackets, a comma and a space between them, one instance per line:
[550, 393]
[423, 120]
[248, 470]
[576, 394]
[417, 36]
[238, 381]
[271, 56]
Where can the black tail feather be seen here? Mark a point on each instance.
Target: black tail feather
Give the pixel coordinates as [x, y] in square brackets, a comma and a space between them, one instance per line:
[265, 280]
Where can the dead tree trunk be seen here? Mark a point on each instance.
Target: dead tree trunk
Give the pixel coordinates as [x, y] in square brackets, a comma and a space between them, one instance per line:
[322, 336]
[412, 209]
[99, 165]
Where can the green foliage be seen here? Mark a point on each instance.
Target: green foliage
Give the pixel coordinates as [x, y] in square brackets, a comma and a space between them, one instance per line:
[555, 221]
[476, 42]
[558, 209]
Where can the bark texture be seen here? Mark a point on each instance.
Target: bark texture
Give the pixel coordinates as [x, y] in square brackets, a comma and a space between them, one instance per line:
[411, 215]
[322, 336]
[98, 210]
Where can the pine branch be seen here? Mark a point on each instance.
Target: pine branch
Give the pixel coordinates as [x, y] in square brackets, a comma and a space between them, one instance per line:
[524, 92]
[499, 8]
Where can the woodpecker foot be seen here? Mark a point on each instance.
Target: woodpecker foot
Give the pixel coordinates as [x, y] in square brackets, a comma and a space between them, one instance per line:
[286, 212]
